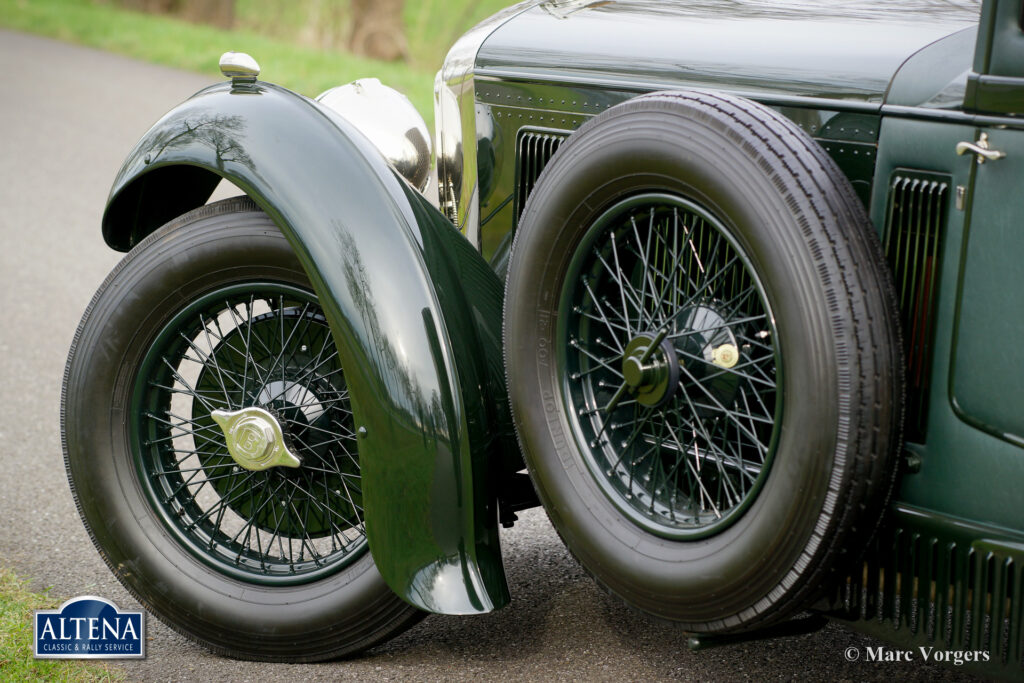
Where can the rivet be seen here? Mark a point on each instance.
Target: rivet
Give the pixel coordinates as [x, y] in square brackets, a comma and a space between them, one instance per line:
[362, 432]
[147, 158]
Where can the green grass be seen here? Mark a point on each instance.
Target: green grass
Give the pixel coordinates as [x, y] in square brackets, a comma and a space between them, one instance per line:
[17, 603]
[431, 26]
[179, 44]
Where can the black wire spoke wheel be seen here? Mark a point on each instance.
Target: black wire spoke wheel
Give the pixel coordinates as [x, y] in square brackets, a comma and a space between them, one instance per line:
[265, 345]
[670, 366]
[209, 441]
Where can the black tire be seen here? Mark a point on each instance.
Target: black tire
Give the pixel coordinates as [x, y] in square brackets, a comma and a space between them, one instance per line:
[818, 455]
[307, 605]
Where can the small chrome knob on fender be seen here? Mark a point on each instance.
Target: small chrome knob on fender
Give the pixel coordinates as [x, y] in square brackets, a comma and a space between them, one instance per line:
[239, 67]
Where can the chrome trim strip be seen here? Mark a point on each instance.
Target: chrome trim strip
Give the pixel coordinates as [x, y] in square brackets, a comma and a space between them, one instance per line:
[639, 87]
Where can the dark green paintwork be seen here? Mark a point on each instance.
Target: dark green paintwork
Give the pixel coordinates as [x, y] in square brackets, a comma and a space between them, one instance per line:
[883, 92]
[419, 349]
[555, 66]
[987, 380]
[995, 94]
[1000, 41]
[950, 565]
[997, 84]
[847, 52]
[537, 89]
[964, 472]
[878, 109]
[935, 77]
[507, 107]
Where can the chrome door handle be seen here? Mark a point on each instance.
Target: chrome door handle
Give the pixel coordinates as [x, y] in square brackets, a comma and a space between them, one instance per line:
[980, 149]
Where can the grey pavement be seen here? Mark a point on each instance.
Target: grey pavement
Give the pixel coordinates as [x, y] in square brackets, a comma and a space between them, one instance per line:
[68, 116]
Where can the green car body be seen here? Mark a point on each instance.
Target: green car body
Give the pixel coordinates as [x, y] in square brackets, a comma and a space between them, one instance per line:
[888, 93]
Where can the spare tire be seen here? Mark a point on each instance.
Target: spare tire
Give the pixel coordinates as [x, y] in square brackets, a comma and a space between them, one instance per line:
[704, 359]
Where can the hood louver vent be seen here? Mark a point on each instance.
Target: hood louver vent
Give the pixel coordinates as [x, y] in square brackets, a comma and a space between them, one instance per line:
[913, 235]
[533, 153]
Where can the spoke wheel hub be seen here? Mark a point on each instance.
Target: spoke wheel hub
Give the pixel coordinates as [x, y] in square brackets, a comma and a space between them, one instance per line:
[655, 379]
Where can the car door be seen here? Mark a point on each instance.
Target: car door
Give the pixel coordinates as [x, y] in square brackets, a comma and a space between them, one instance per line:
[987, 375]
[987, 383]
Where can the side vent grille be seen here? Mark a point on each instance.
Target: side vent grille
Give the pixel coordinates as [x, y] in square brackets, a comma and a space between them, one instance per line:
[926, 588]
[913, 235]
[533, 153]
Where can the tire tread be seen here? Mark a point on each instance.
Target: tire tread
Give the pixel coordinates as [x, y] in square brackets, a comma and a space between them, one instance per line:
[846, 248]
[390, 615]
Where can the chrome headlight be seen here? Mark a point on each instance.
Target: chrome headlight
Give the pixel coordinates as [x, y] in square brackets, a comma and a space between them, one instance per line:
[388, 119]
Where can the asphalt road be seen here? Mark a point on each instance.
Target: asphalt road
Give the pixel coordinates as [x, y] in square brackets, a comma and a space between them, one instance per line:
[68, 116]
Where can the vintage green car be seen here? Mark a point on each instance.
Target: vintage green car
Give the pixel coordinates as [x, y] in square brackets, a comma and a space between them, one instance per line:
[727, 286]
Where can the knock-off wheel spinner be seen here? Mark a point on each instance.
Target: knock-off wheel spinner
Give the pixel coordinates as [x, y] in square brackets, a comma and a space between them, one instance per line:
[650, 369]
[255, 439]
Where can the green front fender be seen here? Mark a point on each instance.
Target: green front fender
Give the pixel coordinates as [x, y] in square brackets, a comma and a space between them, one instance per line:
[415, 312]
